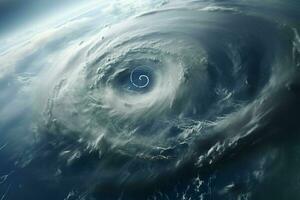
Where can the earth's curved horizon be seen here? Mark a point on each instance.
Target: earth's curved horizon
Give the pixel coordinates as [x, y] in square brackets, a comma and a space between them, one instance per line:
[150, 99]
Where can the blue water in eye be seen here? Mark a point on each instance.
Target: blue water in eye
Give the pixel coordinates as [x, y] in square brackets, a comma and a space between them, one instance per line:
[141, 78]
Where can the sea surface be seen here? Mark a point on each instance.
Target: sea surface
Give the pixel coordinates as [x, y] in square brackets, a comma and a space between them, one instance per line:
[133, 100]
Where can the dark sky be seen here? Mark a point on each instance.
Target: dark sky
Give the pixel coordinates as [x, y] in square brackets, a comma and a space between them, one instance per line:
[16, 13]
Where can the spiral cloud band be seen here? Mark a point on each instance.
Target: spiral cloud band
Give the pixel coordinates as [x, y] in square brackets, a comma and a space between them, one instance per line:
[182, 100]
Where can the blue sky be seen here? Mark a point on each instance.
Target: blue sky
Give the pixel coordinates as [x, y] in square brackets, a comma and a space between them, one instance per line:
[16, 13]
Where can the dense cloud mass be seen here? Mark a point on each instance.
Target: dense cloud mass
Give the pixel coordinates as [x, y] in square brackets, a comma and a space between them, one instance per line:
[154, 100]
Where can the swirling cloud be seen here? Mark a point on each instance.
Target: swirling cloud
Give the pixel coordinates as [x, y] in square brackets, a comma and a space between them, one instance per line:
[124, 97]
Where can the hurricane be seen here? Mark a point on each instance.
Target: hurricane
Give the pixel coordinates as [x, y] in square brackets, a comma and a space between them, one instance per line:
[170, 100]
